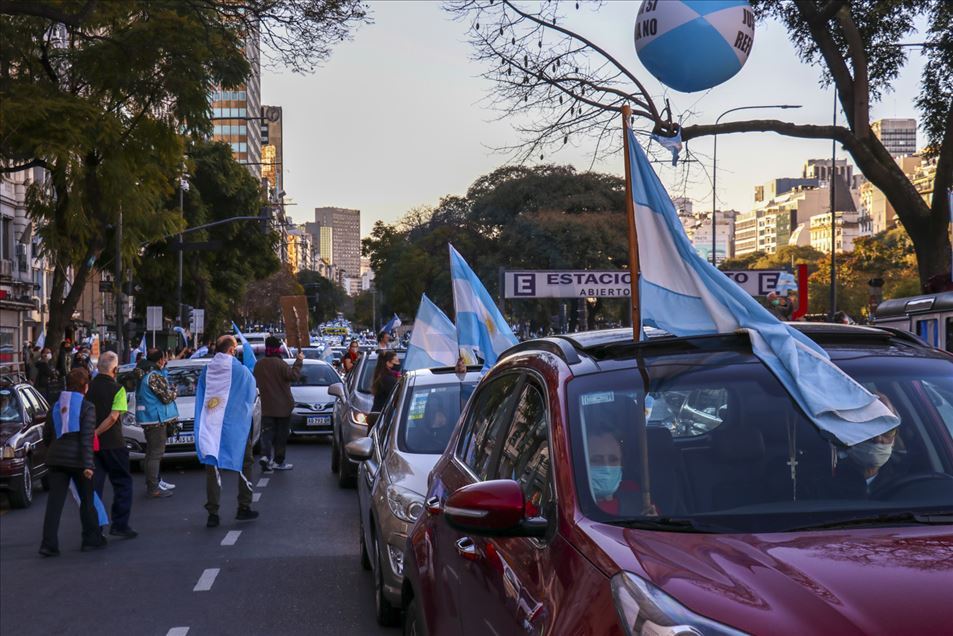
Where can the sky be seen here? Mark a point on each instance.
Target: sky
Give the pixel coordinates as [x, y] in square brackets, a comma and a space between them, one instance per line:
[396, 118]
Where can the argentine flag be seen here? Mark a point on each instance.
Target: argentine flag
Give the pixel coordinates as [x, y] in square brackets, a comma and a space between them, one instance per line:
[248, 354]
[224, 400]
[480, 325]
[683, 294]
[143, 347]
[66, 419]
[434, 340]
[391, 325]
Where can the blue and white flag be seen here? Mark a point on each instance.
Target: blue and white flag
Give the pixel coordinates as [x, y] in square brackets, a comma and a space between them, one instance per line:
[327, 354]
[41, 340]
[201, 352]
[66, 419]
[481, 327]
[143, 348]
[434, 340]
[673, 144]
[224, 400]
[683, 294]
[248, 354]
[181, 331]
[391, 325]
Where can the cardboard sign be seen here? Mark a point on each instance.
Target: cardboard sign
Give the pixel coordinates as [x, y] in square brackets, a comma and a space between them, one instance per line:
[294, 310]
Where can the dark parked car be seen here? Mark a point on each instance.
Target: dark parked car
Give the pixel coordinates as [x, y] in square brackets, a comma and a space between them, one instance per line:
[23, 411]
[597, 486]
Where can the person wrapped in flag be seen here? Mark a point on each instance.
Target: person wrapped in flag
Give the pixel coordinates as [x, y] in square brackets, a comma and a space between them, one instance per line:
[68, 434]
[225, 400]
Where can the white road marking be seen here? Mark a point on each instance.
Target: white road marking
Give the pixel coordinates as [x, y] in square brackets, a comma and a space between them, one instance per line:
[206, 580]
[255, 497]
[262, 482]
[178, 631]
[231, 537]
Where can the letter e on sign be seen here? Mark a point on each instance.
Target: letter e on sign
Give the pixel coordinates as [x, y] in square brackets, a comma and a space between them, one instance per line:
[524, 285]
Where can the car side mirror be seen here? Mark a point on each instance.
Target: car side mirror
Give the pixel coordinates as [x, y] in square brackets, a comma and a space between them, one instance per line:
[360, 449]
[337, 390]
[492, 508]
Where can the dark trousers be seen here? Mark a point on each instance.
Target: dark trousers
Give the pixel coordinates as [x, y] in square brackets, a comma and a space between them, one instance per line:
[59, 479]
[213, 490]
[274, 437]
[114, 463]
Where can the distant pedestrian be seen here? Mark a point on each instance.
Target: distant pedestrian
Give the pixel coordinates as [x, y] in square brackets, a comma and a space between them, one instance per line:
[224, 401]
[156, 411]
[112, 458]
[274, 377]
[68, 434]
[385, 379]
[842, 318]
[384, 341]
[349, 360]
[46, 376]
[64, 358]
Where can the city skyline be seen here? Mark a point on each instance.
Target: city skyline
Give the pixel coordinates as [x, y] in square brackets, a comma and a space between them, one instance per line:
[346, 153]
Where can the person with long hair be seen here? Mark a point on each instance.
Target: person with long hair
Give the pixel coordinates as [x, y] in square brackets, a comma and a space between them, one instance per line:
[385, 378]
[351, 356]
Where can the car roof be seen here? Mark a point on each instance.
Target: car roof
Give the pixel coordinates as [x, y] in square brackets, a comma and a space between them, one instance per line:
[442, 375]
[309, 361]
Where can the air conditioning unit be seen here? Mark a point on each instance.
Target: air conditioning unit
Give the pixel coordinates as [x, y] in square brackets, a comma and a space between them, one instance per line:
[6, 268]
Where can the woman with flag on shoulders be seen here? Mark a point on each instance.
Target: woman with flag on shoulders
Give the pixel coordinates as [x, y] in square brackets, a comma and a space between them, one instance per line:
[68, 434]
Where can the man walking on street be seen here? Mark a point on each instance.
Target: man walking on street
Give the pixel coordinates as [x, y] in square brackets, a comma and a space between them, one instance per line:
[224, 401]
[112, 458]
[155, 410]
[274, 378]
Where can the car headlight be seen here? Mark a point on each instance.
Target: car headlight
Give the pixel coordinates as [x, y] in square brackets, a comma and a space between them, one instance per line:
[9, 452]
[646, 610]
[405, 504]
[359, 418]
[129, 419]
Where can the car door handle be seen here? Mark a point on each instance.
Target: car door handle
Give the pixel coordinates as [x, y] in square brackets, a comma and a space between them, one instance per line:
[433, 506]
[467, 549]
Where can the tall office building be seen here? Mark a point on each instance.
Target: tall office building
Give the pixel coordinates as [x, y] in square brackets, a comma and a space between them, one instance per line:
[236, 113]
[272, 163]
[345, 237]
[899, 136]
[820, 169]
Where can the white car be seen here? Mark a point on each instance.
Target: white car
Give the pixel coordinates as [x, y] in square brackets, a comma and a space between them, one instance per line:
[184, 375]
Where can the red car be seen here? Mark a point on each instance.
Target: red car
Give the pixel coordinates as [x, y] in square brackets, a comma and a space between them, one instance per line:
[573, 501]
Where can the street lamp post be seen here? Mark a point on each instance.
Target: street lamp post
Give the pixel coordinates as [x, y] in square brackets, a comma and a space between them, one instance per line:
[183, 186]
[714, 173]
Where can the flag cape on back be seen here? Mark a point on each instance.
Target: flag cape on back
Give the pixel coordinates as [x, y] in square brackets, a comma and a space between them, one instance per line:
[224, 401]
[683, 294]
[248, 354]
[66, 416]
[480, 325]
[434, 340]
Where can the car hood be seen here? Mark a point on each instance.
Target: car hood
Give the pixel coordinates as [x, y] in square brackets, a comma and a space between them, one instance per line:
[312, 395]
[410, 470]
[862, 581]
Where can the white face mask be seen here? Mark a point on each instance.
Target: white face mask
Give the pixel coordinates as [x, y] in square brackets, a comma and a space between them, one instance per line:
[870, 454]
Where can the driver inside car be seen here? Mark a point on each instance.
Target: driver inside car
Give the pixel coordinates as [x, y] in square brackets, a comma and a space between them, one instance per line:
[613, 494]
[8, 409]
[864, 469]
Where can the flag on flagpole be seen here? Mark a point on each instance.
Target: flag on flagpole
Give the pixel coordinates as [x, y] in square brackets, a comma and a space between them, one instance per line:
[41, 340]
[201, 352]
[434, 339]
[481, 327]
[181, 331]
[143, 348]
[391, 325]
[683, 294]
[248, 354]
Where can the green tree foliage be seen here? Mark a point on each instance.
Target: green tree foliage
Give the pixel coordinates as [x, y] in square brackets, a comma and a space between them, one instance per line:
[262, 302]
[214, 279]
[325, 298]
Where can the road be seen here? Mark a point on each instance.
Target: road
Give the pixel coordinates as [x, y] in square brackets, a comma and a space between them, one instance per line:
[294, 570]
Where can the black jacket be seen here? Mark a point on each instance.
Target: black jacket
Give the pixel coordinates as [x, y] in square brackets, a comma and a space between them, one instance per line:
[384, 388]
[72, 450]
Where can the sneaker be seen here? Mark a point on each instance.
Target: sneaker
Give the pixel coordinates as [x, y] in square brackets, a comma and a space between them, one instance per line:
[246, 514]
[212, 522]
[125, 533]
[164, 485]
[160, 494]
[48, 552]
[283, 466]
[86, 547]
[267, 466]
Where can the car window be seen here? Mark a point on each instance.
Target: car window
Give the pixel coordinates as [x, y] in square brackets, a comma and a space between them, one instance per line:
[942, 400]
[429, 416]
[317, 375]
[9, 406]
[386, 419]
[485, 422]
[185, 380]
[128, 380]
[30, 405]
[41, 406]
[524, 454]
[367, 371]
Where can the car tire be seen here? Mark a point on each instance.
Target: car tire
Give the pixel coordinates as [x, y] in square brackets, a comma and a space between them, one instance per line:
[335, 460]
[413, 626]
[21, 488]
[345, 478]
[365, 558]
[387, 615]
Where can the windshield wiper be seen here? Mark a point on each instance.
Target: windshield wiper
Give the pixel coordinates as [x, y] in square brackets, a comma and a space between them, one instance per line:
[927, 518]
[666, 524]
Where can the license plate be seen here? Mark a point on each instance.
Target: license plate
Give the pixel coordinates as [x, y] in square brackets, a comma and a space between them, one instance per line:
[320, 420]
[181, 439]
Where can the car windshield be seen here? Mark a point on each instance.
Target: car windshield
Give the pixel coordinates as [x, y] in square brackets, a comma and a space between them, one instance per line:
[429, 415]
[9, 410]
[727, 447]
[185, 379]
[317, 375]
[311, 353]
[367, 372]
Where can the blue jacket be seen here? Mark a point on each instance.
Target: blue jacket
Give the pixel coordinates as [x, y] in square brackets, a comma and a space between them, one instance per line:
[149, 408]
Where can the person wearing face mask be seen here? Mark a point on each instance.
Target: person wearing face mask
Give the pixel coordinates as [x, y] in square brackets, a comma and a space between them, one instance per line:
[780, 306]
[613, 494]
[45, 373]
[350, 358]
[867, 467]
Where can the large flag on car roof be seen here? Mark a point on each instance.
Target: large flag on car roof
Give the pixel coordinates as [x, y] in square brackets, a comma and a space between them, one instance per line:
[433, 342]
[683, 294]
[480, 325]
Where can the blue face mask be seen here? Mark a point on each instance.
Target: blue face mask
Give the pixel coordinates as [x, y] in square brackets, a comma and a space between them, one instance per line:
[605, 480]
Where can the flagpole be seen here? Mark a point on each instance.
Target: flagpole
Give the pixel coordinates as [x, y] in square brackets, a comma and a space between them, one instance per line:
[636, 307]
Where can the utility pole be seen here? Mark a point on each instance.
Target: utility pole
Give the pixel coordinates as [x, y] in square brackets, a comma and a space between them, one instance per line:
[183, 186]
[117, 287]
[834, 218]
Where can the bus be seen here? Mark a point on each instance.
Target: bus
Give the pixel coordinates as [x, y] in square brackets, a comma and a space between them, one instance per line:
[929, 316]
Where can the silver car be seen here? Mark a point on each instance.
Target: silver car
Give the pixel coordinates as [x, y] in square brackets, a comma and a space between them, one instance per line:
[314, 404]
[395, 460]
[184, 375]
[351, 412]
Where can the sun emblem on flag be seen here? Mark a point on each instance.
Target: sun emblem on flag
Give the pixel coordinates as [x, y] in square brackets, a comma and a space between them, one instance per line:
[213, 403]
[64, 410]
[490, 327]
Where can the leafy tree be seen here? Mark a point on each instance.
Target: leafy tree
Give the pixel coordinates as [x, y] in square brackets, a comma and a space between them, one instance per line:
[567, 85]
[262, 302]
[325, 297]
